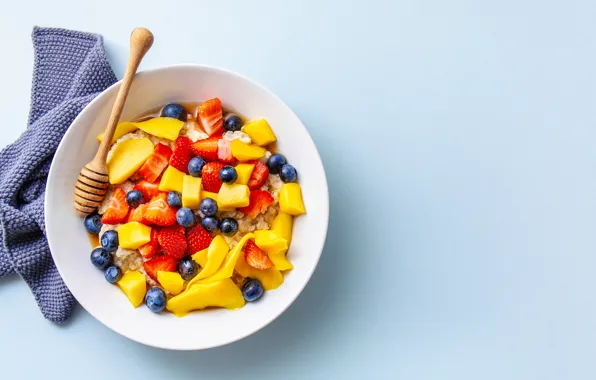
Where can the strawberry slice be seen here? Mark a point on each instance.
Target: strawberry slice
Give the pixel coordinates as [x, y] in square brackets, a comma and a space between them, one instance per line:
[182, 154]
[224, 151]
[210, 115]
[148, 189]
[136, 214]
[164, 263]
[150, 249]
[117, 208]
[173, 241]
[259, 175]
[158, 212]
[255, 257]
[156, 163]
[198, 239]
[206, 148]
[210, 174]
[259, 201]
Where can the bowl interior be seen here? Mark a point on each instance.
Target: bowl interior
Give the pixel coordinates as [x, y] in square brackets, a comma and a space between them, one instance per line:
[70, 245]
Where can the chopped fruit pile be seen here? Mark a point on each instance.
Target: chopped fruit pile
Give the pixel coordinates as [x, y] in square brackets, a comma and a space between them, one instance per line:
[199, 212]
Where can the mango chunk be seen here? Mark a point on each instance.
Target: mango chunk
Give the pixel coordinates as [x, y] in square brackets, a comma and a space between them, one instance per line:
[171, 281]
[165, 127]
[282, 224]
[121, 129]
[270, 278]
[260, 132]
[216, 253]
[227, 267]
[270, 241]
[244, 171]
[245, 152]
[280, 260]
[133, 235]
[172, 180]
[290, 199]
[127, 158]
[232, 196]
[133, 284]
[223, 293]
[201, 257]
[191, 192]
[220, 207]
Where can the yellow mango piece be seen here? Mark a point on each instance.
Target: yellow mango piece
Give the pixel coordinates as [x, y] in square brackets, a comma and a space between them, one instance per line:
[121, 129]
[133, 235]
[191, 192]
[282, 224]
[201, 257]
[269, 241]
[171, 281]
[220, 207]
[223, 293]
[270, 278]
[133, 284]
[227, 267]
[290, 199]
[260, 132]
[172, 180]
[245, 152]
[280, 260]
[244, 171]
[216, 253]
[232, 196]
[127, 158]
[164, 127]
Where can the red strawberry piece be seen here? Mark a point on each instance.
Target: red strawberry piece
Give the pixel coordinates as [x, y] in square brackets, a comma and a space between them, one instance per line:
[210, 174]
[210, 116]
[173, 241]
[259, 175]
[148, 189]
[117, 208]
[136, 214]
[206, 148]
[198, 239]
[255, 257]
[158, 212]
[156, 163]
[161, 263]
[259, 201]
[224, 151]
[150, 249]
[182, 154]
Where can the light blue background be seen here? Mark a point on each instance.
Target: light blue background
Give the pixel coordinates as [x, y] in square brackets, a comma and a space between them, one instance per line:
[458, 138]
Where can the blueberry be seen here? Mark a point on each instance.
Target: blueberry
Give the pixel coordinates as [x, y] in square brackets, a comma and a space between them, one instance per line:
[252, 290]
[134, 198]
[175, 111]
[185, 217]
[210, 223]
[93, 223]
[155, 299]
[288, 173]
[113, 274]
[233, 123]
[195, 166]
[228, 174]
[101, 258]
[187, 268]
[228, 226]
[208, 207]
[275, 162]
[174, 199]
[109, 241]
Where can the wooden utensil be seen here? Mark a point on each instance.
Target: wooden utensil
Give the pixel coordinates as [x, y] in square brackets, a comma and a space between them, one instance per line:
[92, 182]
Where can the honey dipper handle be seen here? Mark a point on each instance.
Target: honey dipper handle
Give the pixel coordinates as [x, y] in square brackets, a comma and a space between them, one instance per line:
[141, 40]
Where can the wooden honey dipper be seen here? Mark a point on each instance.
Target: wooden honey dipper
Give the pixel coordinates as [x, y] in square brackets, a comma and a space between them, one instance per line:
[92, 182]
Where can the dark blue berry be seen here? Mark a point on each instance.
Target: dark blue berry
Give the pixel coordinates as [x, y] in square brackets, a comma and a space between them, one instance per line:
[233, 123]
[208, 207]
[228, 226]
[195, 166]
[252, 290]
[174, 199]
[93, 223]
[228, 174]
[109, 241]
[101, 258]
[113, 274]
[275, 162]
[185, 217]
[175, 111]
[187, 268]
[155, 299]
[288, 173]
[210, 223]
[134, 198]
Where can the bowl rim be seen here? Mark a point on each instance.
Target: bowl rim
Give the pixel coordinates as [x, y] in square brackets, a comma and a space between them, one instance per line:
[323, 188]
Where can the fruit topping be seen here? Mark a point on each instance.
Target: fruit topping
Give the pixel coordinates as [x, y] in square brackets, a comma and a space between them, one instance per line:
[117, 208]
[260, 200]
[173, 241]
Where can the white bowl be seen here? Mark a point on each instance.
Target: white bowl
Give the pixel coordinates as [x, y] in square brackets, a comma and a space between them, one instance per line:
[70, 245]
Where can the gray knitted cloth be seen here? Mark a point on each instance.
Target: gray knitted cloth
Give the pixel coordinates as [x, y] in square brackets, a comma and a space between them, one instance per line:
[70, 69]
